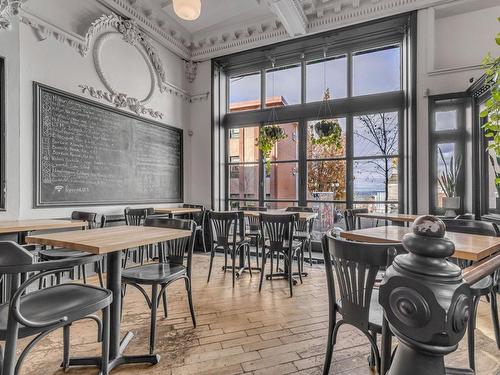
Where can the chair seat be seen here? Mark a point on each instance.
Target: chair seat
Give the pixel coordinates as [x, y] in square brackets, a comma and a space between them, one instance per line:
[295, 244]
[482, 287]
[302, 235]
[156, 273]
[376, 312]
[75, 301]
[56, 254]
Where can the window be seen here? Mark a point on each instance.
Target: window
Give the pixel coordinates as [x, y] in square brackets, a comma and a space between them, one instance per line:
[386, 62]
[447, 139]
[244, 92]
[366, 170]
[283, 86]
[328, 73]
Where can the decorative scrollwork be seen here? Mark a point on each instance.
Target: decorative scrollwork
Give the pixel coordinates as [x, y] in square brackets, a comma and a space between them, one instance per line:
[8, 9]
[410, 307]
[121, 101]
[460, 313]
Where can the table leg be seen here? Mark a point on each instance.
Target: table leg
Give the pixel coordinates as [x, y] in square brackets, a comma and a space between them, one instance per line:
[116, 346]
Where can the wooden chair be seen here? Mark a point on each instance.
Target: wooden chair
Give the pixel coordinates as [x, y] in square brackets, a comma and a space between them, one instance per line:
[484, 287]
[356, 265]
[278, 232]
[199, 219]
[175, 260]
[254, 228]
[303, 231]
[61, 253]
[353, 222]
[43, 311]
[228, 235]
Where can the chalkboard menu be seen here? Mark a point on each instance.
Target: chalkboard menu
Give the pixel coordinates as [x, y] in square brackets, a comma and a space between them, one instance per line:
[91, 154]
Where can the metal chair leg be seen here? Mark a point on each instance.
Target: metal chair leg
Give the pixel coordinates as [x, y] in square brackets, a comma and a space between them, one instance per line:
[164, 299]
[263, 268]
[210, 266]
[105, 341]
[66, 344]
[248, 258]
[257, 240]
[233, 265]
[154, 308]
[494, 316]
[99, 273]
[470, 334]
[190, 301]
[329, 344]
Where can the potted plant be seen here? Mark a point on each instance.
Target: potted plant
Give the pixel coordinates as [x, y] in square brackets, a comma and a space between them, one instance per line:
[491, 112]
[269, 135]
[328, 133]
[448, 182]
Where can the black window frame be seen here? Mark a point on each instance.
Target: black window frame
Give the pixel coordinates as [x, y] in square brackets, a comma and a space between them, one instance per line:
[349, 107]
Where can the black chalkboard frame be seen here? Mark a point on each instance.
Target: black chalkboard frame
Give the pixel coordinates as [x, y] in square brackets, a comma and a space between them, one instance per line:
[38, 88]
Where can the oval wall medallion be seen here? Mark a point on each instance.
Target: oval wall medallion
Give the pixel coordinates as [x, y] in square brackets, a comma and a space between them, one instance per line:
[115, 58]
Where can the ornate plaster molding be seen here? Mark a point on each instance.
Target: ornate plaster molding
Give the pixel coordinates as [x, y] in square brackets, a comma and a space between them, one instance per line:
[121, 101]
[190, 69]
[8, 9]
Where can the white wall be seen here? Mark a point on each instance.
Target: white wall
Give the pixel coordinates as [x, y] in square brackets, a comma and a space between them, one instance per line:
[200, 112]
[452, 41]
[57, 64]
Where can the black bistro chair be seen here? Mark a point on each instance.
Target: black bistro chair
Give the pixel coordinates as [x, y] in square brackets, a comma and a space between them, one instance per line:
[278, 232]
[352, 221]
[303, 231]
[61, 253]
[41, 312]
[136, 217]
[356, 265]
[484, 287]
[253, 230]
[175, 260]
[199, 219]
[227, 230]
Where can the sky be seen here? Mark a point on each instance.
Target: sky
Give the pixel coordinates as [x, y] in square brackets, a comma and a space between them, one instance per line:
[372, 72]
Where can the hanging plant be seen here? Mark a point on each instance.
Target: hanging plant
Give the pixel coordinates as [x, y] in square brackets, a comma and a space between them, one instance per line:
[269, 135]
[329, 133]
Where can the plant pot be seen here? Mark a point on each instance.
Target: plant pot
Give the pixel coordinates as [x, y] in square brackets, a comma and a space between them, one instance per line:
[451, 204]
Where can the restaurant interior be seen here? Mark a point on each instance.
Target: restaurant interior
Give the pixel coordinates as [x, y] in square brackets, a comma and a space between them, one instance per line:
[224, 187]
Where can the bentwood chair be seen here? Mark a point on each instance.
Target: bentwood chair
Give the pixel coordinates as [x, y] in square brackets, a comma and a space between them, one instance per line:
[484, 287]
[227, 231]
[254, 228]
[356, 265]
[43, 311]
[199, 219]
[61, 253]
[352, 221]
[175, 261]
[303, 231]
[136, 217]
[278, 232]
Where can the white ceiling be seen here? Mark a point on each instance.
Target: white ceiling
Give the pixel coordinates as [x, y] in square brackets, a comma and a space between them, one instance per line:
[216, 13]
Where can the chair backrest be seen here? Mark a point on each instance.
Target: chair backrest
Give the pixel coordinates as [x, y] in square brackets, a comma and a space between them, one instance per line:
[356, 266]
[89, 217]
[350, 217]
[177, 250]
[302, 225]
[253, 221]
[482, 228]
[135, 216]
[198, 217]
[224, 227]
[104, 220]
[277, 229]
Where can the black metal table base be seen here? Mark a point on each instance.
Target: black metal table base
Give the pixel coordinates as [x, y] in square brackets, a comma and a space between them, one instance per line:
[284, 275]
[121, 359]
[240, 270]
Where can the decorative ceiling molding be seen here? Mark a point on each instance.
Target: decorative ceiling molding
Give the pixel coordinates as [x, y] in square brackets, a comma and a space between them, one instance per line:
[8, 9]
[291, 15]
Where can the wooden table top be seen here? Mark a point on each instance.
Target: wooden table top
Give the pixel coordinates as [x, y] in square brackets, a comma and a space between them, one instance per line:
[177, 210]
[467, 246]
[302, 215]
[16, 226]
[391, 217]
[108, 240]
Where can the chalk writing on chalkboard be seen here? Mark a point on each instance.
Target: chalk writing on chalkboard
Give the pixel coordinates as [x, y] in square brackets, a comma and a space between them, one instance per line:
[91, 154]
